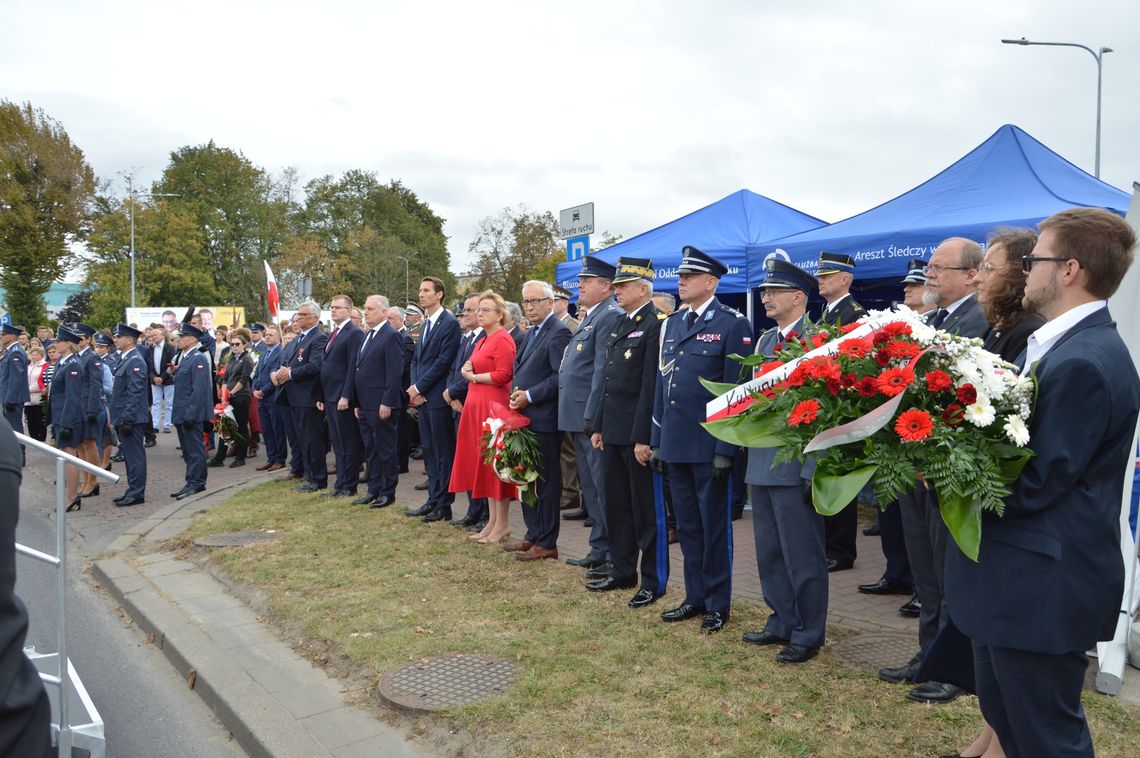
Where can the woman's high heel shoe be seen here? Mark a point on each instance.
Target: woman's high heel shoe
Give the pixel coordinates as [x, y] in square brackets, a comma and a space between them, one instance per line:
[75, 504]
[488, 541]
[92, 493]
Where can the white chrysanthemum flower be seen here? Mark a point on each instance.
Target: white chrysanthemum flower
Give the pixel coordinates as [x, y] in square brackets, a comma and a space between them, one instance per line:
[1017, 431]
[981, 413]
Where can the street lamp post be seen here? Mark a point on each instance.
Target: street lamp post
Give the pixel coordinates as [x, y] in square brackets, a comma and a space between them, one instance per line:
[131, 195]
[1098, 55]
[407, 281]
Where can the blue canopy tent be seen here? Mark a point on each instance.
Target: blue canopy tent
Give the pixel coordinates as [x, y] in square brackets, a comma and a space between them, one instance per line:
[1011, 179]
[730, 229]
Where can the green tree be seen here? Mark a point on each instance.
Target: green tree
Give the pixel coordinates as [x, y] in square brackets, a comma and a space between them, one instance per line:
[46, 190]
[513, 246]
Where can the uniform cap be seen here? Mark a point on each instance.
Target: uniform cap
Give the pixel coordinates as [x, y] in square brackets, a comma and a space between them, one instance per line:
[125, 330]
[784, 275]
[834, 263]
[9, 329]
[64, 334]
[694, 261]
[104, 340]
[632, 269]
[561, 293]
[596, 267]
[257, 327]
[915, 272]
[190, 330]
[81, 329]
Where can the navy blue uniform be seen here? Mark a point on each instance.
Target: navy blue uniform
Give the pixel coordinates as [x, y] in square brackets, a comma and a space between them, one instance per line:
[193, 407]
[704, 526]
[14, 385]
[92, 382]
[67, 395]
[130, 413]
[272, 420]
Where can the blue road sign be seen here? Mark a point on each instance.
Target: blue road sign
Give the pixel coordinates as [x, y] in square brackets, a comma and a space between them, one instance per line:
[6, 319]
[577, 247]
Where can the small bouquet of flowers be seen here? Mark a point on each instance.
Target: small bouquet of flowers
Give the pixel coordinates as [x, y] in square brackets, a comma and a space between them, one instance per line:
[225, 423]
[512, 450]
[891, 400]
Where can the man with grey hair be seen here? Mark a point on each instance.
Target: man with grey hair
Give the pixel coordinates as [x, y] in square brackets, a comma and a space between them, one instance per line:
[514, 324]
[376, 390]
[300, 377]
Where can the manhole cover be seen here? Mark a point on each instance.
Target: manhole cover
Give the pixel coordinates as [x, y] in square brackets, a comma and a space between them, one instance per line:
[876, 650]
[446, 682]
[235, 539]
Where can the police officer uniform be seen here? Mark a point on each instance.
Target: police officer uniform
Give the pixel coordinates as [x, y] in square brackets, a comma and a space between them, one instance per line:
[67, 395]
[14, 380]
[788, 531]
[697, 343]
[842, 527]
[130, 412]
[92, 381]
[257, 344]
[624, 418]
[193, 407]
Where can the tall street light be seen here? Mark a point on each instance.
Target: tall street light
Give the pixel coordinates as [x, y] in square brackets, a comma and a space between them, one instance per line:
[131, 195]
[1098, 55]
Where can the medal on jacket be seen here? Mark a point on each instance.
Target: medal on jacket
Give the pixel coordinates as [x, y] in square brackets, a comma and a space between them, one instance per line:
[628, 354]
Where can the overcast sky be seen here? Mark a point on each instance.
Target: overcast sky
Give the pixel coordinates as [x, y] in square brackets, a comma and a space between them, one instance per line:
[648, 109]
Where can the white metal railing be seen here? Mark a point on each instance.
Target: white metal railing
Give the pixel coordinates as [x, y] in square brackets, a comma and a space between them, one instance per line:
[68, 683]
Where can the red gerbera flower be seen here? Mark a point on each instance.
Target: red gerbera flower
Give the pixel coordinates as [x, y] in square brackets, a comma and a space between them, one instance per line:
[896, 329]
[847, 328]
[849, 380]
[770, 366]
[894, 381]
[822, 367]
[880, 337]
[954, 414]
[855, 348]
[866, 387]
[903, 350]
[833, 386]
[817, 340]
[883, 358]
[938, 381]
[803, 413]
[914, 425]
[967, 395]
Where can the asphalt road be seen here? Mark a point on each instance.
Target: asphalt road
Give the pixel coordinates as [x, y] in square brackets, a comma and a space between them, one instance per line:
[146, 708]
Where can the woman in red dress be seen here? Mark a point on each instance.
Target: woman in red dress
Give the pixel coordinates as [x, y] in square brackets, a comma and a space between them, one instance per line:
[488, 374]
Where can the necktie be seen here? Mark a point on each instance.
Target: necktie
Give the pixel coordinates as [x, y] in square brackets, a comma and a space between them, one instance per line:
[690, 319]
[427, 331]
[939, 316]
[531, 339]
[332, 337]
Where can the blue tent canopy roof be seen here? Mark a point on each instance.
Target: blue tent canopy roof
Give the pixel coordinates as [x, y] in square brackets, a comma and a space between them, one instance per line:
[730, 229]
[1011, 179]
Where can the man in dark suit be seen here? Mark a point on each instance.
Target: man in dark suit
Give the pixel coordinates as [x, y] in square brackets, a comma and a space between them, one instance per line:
[341, 351]
[268, 411]
[377, 393]
[536, 377]
[950, 281]
[456, 394]
[431, 363]
[193, 407]
[579, 394]
[788, 532]
[836, 274]
[300, 380]
[621, 428]
[1049, 577]
[130, 412]
[406, 425]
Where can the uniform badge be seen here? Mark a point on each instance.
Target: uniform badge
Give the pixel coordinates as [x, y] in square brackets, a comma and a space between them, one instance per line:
[708, 337]
[746, 340]
[628, 354]
[579, 348]
[631, 335]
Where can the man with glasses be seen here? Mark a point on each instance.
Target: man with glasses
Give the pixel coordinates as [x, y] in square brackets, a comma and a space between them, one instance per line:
[300, 378]
[950, 277]
[344, 433]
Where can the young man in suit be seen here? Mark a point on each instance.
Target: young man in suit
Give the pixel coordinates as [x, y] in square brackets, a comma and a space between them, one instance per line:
[341, 351]
[300, 380]
[431, 363]
[536, 377]
[268, 411]
[1049, 578]
[377, 394]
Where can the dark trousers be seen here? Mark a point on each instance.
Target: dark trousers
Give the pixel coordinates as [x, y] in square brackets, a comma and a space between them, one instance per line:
[591, 481]
[925, 536]
[1033, 701]
[894, 546]
[704, 529]
[272, 431]
[437, 432]
[542, 520]
[404, 438]
[344, 433]
[841, 530]
[134, 459]
[15, 420]
[379, 442]
[634, 520]
[296, 459]
[571, 484]
[661, 482]
[311, 438]
[193, 445]
[37, 425]
[792, 563]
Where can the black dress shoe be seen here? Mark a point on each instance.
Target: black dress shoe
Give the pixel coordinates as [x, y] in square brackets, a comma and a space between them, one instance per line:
[421, 487]
[643, 598]
[215, 463]
[423, 510]
[609, 583]
[884, 587]
[92, 493]
[588, 522]
[590, 561]
[119, 499]
[189, 492]
[934, 692]
[131, 501]
[577, 515]
[150, 442]
[382, 502]
[797, 654]
[872, 531]
[911, 608]
[763, 637]
[236, 462]
[713, 622]
[600, 572]
[365, 499]
[437, 514]
[467, 520]
[683, 612]
[904, 673]
[118, 458]
[308, 487]
[834, 565]
[478, 526]
[179, 492]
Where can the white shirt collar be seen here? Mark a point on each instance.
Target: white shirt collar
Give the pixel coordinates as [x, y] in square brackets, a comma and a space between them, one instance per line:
[434, 318]
[703, 307]
[1048, 334]
[832, 306]
[958, 303]
[638, 310]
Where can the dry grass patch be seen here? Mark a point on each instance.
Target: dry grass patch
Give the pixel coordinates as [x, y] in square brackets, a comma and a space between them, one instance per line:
[595, 678]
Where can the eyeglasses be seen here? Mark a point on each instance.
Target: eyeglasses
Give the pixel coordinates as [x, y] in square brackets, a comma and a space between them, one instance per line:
[486, 310]
[535, 300]
[1028, 261]
[934, 268]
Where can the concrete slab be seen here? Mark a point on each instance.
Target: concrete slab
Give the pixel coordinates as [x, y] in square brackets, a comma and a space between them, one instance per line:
[283, 676]
[310, 699]
[342, 726]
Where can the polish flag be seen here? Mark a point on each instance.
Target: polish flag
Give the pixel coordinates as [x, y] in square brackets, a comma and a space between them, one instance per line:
[271, 284]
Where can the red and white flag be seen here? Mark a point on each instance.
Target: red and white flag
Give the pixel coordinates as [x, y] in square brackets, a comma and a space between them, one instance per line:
[272, 297]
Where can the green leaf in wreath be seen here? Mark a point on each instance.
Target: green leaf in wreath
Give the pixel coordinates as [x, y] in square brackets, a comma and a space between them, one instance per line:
[831, 493]
[963, 517]
[748, 429]
[716, 388]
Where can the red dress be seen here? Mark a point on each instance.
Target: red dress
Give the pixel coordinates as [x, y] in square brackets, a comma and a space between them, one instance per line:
[495, 354]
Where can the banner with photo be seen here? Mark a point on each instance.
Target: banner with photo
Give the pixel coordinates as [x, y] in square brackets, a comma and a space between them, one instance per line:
[169, 316]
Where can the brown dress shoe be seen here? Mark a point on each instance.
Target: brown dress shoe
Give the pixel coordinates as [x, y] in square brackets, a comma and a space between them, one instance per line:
[537, 553]
[519, 546]
[263, 467]
[276, 467]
